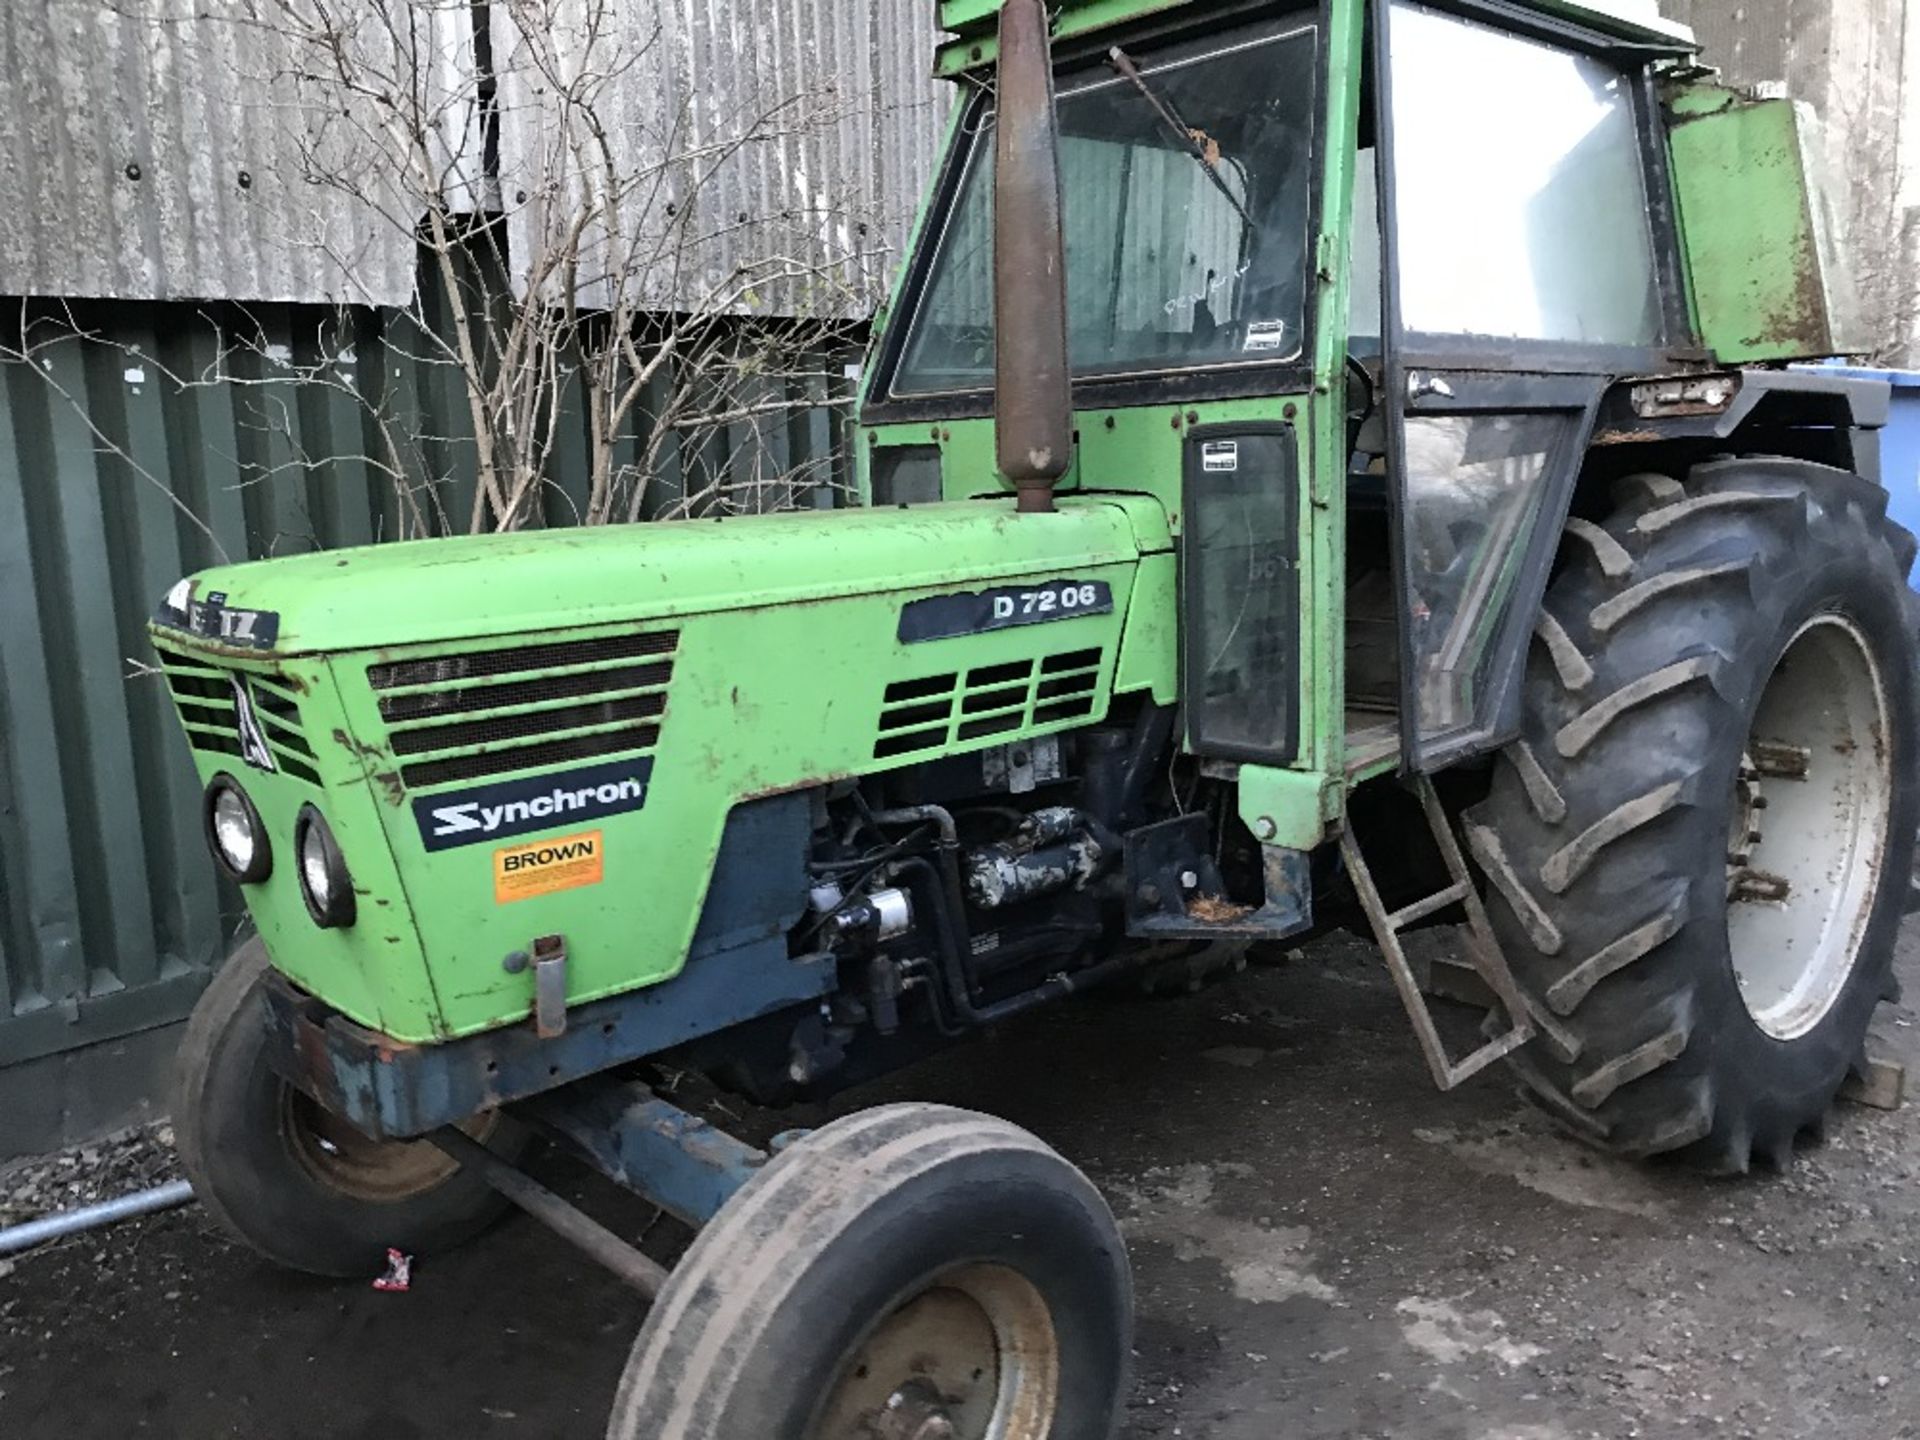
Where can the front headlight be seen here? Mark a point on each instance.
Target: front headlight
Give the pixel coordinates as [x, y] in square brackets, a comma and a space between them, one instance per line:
[324, 882]
[234, 832]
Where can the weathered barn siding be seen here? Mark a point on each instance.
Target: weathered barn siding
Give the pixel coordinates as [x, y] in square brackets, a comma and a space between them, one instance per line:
[738, 130]
[149, 153]
[167, 150]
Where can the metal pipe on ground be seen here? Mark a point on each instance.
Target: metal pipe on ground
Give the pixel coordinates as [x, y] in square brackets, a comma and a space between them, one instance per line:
[16, 1238]
[564, 1218]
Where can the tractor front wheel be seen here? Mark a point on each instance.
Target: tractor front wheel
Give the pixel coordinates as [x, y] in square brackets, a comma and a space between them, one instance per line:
[300, 1186]
[910, 1272]
[1701, 840]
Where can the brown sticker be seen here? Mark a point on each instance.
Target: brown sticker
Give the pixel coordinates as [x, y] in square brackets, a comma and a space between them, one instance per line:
[541, 867]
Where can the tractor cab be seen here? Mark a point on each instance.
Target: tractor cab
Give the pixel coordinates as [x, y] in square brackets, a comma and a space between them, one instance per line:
[1346, 289]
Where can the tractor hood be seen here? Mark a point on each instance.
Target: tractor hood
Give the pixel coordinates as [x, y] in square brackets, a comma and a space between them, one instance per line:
[426, 591]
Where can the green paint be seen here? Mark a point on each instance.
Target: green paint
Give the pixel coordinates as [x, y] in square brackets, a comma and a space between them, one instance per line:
[1766, 282]
[460, 588]
[786, 647]
[375, 970]
[787, 671]
[1323, 539]
[787, 643]
[1288, 808]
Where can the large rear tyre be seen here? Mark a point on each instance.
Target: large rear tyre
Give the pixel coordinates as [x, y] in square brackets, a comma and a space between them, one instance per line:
[911, 1272]
[299, 1186]
[1700, 842]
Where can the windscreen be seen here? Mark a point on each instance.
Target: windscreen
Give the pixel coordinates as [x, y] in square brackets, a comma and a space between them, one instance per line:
[1186, 198]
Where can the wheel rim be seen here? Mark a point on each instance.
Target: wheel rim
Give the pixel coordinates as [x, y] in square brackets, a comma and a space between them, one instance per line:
[1809, 828]
[971, 1356]
[381, 1171]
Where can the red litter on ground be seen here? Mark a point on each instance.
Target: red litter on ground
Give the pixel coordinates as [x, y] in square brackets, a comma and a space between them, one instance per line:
[399, 1276]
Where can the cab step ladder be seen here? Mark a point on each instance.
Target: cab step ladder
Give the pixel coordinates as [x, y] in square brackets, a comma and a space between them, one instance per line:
[1482, 948]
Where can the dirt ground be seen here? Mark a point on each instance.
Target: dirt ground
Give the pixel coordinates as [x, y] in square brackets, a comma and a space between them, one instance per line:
[1324, 1245]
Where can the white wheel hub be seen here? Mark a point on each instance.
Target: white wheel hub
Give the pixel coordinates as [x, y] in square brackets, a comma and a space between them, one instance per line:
[971, 1357]
[1809, 829]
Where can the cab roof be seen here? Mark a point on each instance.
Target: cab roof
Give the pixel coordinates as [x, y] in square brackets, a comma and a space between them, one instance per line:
[972, 22]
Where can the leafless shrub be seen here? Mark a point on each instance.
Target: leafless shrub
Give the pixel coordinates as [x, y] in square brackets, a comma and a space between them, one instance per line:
[644, 261]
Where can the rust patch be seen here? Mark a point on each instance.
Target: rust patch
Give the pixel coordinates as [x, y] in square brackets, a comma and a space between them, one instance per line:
[311, 1044]
[391, 787]
[388, 1051]
[762, 792]
[191, 645]
[1780, 761]
[354, 748]
[1626, 437]
[1217, 910]
[370, 758]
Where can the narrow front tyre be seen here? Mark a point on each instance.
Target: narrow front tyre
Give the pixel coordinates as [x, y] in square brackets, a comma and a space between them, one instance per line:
[297, 1185]
[910, 1271]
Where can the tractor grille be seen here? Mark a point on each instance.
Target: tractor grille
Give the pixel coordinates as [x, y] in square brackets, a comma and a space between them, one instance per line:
[204, 695]
[493, 712]
[940, 710]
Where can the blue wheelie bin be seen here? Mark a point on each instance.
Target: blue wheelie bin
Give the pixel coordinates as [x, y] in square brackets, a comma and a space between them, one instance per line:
[1899, 446]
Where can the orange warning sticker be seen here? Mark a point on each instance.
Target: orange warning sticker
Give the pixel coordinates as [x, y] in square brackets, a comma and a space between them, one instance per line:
[541, 867]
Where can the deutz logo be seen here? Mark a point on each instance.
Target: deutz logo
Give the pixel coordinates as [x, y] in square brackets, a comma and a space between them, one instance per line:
[253, 740]
[542, 802]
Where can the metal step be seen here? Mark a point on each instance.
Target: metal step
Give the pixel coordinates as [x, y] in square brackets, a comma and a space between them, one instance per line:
[1483, 949]
[1421, 909]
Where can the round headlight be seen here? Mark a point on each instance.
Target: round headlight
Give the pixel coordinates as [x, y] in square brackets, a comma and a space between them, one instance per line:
[324, 882]
[234, 832]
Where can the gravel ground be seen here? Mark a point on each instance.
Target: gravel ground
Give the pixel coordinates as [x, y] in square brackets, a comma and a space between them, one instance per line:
[108, 1168]
[1325, 1247]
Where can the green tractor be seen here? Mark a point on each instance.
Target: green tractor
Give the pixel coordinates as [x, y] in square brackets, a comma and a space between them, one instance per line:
[1310, 445]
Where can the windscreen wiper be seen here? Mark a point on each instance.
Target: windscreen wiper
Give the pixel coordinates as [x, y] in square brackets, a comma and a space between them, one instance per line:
[1189, 137]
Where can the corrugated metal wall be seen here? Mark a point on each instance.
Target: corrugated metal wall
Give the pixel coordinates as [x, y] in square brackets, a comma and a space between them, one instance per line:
[139, 442]
[171, 150]
[739, 130]
[112, 480]
[161, 151]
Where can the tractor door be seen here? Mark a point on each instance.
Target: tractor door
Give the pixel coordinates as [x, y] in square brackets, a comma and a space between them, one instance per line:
[1523, 272]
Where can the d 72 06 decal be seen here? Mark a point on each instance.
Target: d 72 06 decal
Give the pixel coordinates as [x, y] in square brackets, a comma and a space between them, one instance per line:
[940, 617]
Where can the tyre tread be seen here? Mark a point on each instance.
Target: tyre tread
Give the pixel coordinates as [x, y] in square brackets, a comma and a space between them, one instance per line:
[1595, 837]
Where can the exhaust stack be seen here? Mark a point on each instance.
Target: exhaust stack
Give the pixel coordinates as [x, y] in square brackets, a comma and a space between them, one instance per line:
[1033, 395]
